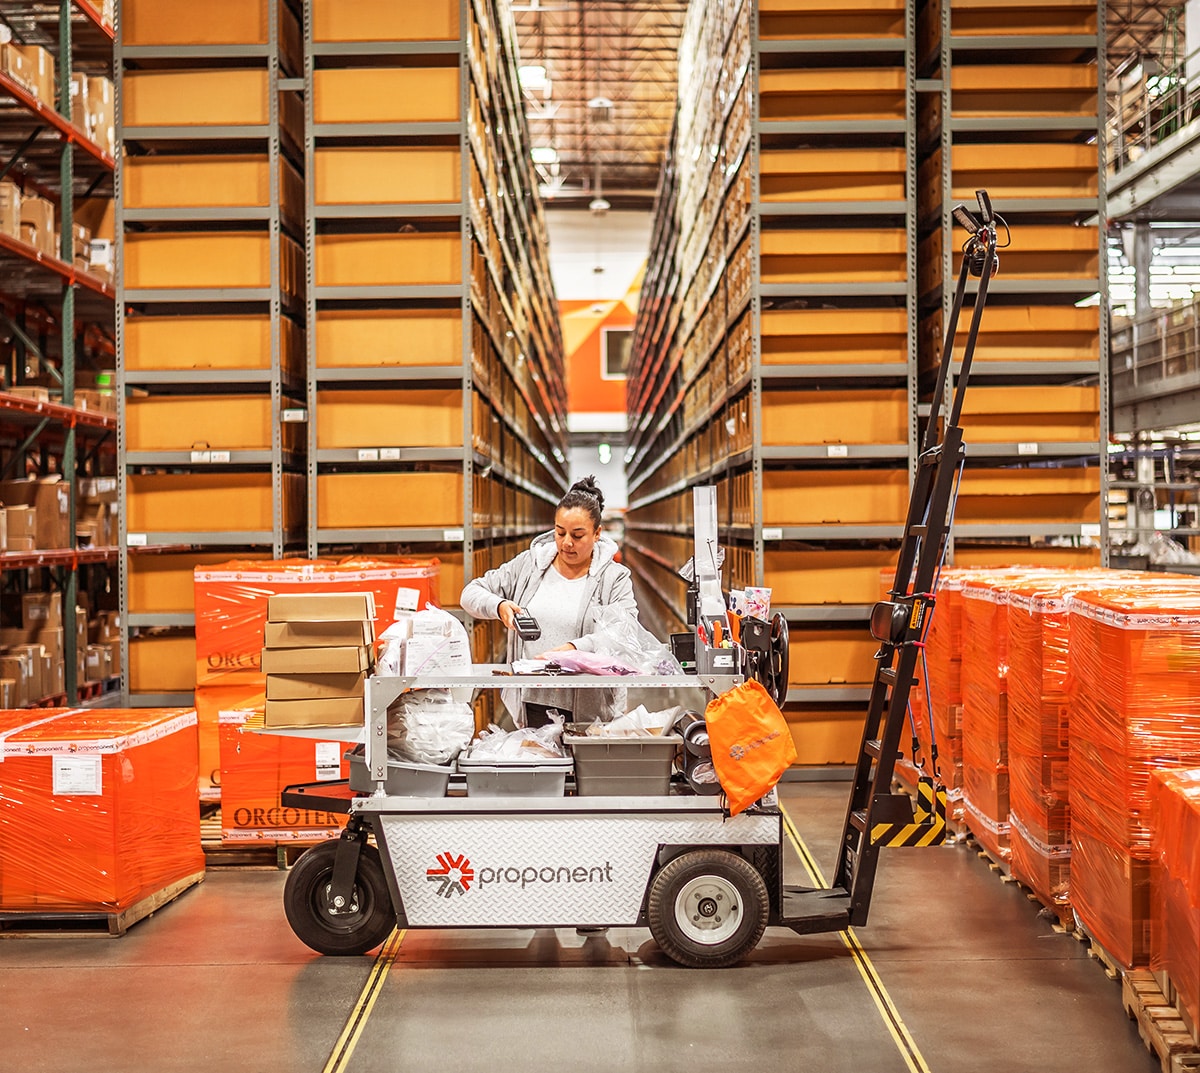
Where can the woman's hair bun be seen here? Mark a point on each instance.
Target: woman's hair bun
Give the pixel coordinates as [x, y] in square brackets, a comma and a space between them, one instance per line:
[589, 486]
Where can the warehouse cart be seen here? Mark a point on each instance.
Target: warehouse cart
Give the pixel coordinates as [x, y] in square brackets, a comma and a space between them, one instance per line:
[706, 884]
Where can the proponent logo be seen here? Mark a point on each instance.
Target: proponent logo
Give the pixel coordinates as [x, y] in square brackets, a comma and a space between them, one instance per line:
[455, 875]
[740, 751]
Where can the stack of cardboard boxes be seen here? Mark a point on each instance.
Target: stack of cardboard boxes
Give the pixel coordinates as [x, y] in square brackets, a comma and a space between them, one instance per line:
[29, 65]
[92, 110]
[34, 514]
[31, 219]
[31, 657]
[318, 654]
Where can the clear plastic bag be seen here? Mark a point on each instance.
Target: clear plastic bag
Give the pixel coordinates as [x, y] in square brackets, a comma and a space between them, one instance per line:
[619, 634]
[638, 723]
[428, 726]
[526, 743]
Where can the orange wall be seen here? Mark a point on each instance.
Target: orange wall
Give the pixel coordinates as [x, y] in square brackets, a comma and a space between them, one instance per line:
[587, 392]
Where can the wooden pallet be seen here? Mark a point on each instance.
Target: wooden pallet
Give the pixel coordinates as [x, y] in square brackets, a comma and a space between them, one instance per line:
[1164, 1032]
[265, 854]
[1113, 969]
[998, 865]
[100, 923]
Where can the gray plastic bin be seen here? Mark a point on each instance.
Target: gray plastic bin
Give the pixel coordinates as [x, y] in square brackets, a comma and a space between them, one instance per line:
[537, 777]
[623, 767]
[403, 779]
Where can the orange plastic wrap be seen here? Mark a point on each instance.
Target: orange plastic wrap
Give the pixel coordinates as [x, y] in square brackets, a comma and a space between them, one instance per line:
[98, 807]
[1135, 706]
[1175, 883]
[231, 603]
[943, 667]
[255, 768]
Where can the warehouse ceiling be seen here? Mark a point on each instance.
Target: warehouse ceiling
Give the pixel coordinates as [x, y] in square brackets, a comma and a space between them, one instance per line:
[601, 106]
[1140, 28]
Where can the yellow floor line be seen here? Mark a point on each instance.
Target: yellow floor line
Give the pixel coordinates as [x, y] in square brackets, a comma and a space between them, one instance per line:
[907, 1046]
[343, 1049]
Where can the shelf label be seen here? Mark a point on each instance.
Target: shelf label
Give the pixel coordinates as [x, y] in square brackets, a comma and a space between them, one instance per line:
[1027, 448]
[298, 416]
[136, 540]
[368, 454]
[201, 456]
[452, 534]
[389, 454]
[838, 450]
[76, 775]
[772, 534]
[1089, 529]
[219, 456]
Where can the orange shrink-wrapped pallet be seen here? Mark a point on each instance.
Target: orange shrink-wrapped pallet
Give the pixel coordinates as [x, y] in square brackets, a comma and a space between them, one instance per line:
[255, 768]
[231, 612]
[1134, 685]
[98, 807]
[231, 603]
[1175, 883]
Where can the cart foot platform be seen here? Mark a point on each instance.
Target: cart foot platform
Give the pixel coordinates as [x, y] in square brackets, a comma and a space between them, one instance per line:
[811, 910]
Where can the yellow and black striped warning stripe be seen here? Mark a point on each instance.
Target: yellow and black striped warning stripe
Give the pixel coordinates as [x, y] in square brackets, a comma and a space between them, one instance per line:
[929, 820]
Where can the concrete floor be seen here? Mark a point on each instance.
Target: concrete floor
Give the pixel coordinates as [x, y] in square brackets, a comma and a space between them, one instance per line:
[216, 981]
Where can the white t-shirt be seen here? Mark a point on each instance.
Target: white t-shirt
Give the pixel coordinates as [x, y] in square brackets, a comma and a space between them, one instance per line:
[558, 607]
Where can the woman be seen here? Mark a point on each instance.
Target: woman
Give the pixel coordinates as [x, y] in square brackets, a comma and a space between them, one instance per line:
[560, 580]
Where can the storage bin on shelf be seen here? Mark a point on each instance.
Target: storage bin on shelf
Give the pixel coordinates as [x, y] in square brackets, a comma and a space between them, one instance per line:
[404, 779]
[541, 776]
[619, 767]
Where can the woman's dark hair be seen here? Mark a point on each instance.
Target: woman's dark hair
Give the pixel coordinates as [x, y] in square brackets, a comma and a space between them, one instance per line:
[585, 495]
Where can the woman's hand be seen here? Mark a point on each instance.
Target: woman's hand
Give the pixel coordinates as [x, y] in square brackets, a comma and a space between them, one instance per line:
[507, 612]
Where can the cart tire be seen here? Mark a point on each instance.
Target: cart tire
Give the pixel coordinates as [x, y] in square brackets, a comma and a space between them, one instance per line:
[370, 919]
[708, 909]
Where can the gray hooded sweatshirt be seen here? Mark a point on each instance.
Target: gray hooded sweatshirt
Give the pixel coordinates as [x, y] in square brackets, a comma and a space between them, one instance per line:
[518, 579]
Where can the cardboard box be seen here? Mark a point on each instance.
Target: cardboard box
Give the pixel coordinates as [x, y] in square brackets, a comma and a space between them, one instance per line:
[15, 64]
[108, 626]
[37, 224]
[385, 20]
[79, 102]
[162, 664]
[315, 686]
[386, 500]
[9, 693]
[21, 522]
[201, 181]
[387, 260]
[18, 668]
[386, 95]
[834, 336]
[49, 498]
[41, 74]
[391, 337]
[321, 607]
[99, 663]
[114, 657]
[10, 209]
[196, 98]
[41, 610]
[182, 22]
[389, 419]
[201, 342]
[51, 640]
[315, 660]
[835, 417]
[198, 422]
[849, 497]
[387, 175]
[165, 583]
[324, 634]
[3, 529]
[197, 260]
[331, 711]
[54, 676]
[199, 502]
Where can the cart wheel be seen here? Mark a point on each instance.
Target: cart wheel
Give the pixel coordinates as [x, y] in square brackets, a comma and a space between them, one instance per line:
[363, 925]
[708, 909]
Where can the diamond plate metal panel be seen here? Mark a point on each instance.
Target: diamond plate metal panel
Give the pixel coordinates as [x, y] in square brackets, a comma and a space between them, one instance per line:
[543, 871]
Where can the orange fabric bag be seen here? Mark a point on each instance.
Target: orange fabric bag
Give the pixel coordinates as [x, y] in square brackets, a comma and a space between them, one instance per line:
[751, 744]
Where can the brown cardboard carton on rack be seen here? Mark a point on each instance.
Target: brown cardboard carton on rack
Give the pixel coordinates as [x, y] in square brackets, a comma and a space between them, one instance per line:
[79, 98]
[35, 656]
[3, 529]
[41, 73]
[10, 209]
[16, 666]
[37, 223]
[54, 675]
[21, 522]
[15, 64]
[101, 114]
[114, 656]
[8, 693]
[51, 640]
[41, 610]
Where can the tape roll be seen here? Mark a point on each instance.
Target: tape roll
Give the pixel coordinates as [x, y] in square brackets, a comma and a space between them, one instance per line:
[694, 731]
